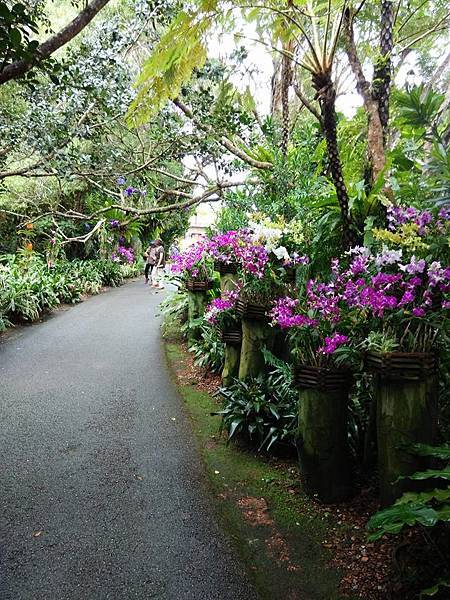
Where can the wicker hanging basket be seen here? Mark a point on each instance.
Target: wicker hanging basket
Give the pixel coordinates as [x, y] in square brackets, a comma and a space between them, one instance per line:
[400, 366]
[232, 336]
[198, 286]
[305, 376]
[250, 311]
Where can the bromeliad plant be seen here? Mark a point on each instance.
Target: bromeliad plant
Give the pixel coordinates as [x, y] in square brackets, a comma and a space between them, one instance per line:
[263, 408]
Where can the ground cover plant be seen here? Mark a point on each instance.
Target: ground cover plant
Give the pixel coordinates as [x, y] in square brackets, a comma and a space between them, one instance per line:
[29, 287]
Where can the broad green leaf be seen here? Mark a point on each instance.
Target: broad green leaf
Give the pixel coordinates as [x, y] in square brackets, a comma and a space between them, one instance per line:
[430, 474]
[434, 589]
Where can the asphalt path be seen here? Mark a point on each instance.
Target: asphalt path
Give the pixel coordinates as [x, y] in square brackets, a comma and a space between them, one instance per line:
[102, 491]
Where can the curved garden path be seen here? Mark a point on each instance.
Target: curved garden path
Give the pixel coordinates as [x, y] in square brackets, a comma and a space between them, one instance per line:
[101, 487]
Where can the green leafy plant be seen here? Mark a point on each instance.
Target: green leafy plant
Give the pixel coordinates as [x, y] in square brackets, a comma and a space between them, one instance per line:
[417, 508]
[263, 408]
[209, 351]
[29, 286]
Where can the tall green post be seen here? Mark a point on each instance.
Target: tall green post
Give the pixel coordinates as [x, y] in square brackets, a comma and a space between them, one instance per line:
[322, 443]
[255, 335]
[406, 414]
[196, 308]
[230, 371]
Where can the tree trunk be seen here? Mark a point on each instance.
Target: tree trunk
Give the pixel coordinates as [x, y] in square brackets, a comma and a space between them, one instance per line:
[326, 94]
[286, 81]
[375, 139]
[382, 69]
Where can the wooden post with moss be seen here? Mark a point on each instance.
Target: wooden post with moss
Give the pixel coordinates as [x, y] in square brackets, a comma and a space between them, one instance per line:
[230, 371]
[255, 335]
[231, 364]
[323, 445]
[407, 414]
[196, 308]
[228, 282]
[406, 397]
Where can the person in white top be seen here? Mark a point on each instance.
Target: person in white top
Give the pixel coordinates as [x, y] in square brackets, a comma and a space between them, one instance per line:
[158, 269]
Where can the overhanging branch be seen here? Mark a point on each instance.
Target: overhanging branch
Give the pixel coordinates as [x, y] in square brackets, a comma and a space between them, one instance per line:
[56, 41]
[224, 141]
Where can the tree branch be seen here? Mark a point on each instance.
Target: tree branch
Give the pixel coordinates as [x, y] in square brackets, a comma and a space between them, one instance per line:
[224, 141]
[20, 67]
[307, 104]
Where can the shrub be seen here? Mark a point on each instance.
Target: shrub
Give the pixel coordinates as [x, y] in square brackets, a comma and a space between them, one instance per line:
[29, 286]
[209, 351]
[264, 408]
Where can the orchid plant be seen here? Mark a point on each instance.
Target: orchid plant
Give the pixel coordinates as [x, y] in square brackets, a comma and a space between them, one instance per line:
[194, 263]
[221, 312]
[123, 254]
[375, 299]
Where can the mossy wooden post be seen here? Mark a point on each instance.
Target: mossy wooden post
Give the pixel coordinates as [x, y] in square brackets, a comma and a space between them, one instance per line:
[196, 307]
[406, 397]
[255, 335]
[230, 371]
[407, 414]
[323, 443]
[231, 364]
[228, 282]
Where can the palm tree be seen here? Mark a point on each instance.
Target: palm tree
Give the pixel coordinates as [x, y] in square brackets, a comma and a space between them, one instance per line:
[318, 61]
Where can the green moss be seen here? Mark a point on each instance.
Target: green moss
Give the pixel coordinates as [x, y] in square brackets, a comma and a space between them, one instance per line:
[281, 547]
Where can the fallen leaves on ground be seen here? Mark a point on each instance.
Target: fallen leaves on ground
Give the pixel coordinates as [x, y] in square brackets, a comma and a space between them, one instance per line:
[191, 374]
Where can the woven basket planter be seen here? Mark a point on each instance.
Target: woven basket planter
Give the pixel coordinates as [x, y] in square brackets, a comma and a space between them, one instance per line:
[198, 286]
[308, 377]
[401, 366]
[250, 311]
[224, 268]
[232, 336]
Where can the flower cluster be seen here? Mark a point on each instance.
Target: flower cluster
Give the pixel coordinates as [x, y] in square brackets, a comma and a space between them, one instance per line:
[193, 262]
[296, 259]
[226, 303]
[130, 190]
[332, 342]
[370, 291]
[239, 247]
[123, 254]
[285, 316]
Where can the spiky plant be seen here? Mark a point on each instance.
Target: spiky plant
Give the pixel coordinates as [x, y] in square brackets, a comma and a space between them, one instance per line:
[318, 61]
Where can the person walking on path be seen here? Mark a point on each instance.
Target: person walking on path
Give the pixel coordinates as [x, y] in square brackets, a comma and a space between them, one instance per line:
[150, 256]
[157, 271]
